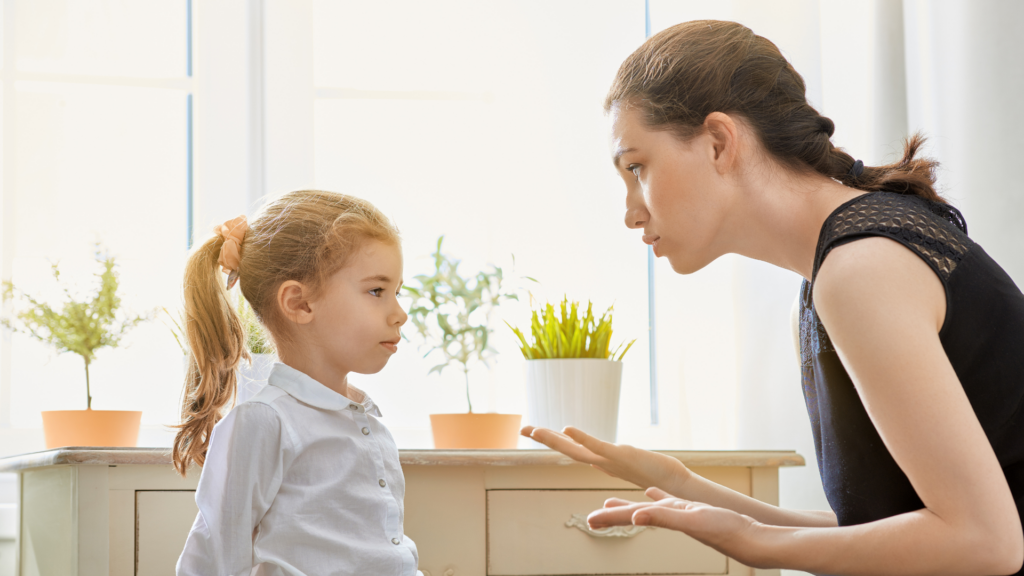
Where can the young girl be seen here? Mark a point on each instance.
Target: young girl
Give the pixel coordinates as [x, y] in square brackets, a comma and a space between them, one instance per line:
[303, 478]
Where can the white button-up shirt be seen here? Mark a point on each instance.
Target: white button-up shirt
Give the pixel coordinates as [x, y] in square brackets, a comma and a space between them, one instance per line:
[300, 480]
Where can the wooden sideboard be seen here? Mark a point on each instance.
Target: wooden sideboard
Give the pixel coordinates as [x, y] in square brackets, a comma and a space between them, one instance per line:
[124, 511]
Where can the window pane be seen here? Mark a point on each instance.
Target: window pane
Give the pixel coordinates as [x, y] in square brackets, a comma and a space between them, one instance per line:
[494, 136]
[107, 164]
[134, 38]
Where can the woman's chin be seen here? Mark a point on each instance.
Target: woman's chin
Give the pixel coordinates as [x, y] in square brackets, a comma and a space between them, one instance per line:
[685, 265]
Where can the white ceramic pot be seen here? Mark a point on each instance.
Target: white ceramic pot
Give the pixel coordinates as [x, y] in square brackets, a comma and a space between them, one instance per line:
[580, 392]
[252, 379]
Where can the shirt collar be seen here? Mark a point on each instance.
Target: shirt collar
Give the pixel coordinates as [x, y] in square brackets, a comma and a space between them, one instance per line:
[309, 391]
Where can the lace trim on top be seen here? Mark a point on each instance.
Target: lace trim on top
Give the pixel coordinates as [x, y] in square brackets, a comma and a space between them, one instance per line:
[934, 230]
[937, 231]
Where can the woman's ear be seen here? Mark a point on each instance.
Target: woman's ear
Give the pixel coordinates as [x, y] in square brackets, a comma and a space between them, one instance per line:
[293, 301]
[724, 134]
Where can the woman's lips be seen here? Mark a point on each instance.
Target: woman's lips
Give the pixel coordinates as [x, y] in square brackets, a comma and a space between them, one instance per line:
[652, 240]
[391, 346]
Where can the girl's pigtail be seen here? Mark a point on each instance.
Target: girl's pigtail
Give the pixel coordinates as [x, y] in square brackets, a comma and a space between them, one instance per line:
[216, 344]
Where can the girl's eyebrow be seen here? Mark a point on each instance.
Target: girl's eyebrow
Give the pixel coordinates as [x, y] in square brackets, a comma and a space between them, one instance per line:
[377, 278]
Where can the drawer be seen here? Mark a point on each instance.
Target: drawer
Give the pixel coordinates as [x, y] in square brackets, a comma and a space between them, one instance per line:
[536, 532]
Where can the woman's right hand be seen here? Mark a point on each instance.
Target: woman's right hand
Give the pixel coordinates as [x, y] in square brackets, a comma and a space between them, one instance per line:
[641, 467]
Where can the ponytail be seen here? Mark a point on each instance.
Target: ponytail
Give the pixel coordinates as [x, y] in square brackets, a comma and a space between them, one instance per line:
[910, 175]
[216, 344]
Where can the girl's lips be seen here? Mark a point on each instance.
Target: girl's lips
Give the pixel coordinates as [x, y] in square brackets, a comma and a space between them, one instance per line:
[391, 346]
[651, 239]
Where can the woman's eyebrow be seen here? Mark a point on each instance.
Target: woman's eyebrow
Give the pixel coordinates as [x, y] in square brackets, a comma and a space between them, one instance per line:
[619, 153]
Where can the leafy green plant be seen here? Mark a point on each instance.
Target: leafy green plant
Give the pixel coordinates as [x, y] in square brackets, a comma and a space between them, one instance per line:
[570, 334]
[452, 312]
[81, 327]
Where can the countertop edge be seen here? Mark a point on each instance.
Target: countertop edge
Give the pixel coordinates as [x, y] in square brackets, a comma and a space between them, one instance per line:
[162, 456]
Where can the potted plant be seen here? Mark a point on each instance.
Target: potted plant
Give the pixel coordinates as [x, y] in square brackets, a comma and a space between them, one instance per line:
[81, 327]
[252, 375]
[573, 378]
[452, 313]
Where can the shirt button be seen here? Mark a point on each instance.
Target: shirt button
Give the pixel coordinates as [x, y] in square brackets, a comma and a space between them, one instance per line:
[396, 541]
[382, 483]
[353, 407]
[366, 431]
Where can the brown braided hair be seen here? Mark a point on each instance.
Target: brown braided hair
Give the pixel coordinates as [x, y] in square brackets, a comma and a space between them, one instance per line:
[682, 74]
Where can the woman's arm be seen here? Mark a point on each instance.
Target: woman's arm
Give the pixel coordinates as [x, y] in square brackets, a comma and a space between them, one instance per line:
[883, 308]
[649, 469]
[242, 475]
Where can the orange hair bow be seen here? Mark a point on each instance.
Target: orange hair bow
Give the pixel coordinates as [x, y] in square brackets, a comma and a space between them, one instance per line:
[233, 232]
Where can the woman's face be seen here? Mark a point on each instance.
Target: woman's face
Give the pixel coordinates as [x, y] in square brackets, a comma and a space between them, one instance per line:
[674, 192]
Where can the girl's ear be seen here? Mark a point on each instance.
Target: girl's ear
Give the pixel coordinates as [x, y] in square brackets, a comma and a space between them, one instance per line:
[292, 299]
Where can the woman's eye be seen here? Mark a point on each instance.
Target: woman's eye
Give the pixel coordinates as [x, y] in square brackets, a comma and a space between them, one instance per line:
[377, 292]
[635, 169]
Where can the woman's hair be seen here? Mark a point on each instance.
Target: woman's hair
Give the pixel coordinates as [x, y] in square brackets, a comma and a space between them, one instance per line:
[304, 236]
[690, 70]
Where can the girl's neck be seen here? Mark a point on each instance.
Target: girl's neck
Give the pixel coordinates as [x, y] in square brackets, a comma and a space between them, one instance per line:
[321, 370]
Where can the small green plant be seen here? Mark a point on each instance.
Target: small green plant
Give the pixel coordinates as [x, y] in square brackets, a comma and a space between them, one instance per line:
[82, 327]
[256, 339]
[570, 335]
[452, 313]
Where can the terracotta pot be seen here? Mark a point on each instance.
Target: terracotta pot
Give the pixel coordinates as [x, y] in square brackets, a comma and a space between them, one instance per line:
[106, 428]
[475, 430]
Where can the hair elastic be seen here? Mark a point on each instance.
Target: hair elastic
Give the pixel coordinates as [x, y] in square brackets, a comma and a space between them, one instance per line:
[857, 169]
[233, 232]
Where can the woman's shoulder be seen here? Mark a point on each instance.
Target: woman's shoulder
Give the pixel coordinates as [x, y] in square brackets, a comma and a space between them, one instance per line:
[934, 231]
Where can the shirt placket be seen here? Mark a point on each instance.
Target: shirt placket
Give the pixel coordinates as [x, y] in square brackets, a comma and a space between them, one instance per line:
[392, 527]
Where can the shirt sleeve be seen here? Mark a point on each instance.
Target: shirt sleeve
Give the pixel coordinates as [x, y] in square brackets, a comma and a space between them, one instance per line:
[242, 475]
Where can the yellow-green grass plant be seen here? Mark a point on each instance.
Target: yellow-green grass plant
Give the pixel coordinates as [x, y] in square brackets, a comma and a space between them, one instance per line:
[569, 334]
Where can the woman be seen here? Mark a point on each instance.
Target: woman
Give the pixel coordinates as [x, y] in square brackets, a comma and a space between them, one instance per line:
[912, 338]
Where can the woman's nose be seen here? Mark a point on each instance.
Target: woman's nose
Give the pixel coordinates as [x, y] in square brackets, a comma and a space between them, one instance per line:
[636, 217]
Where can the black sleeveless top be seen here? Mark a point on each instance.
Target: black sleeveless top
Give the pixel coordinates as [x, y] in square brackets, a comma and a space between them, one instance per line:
[982, 334]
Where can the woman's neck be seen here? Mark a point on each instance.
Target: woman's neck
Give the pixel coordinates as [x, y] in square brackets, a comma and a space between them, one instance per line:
[779, 218]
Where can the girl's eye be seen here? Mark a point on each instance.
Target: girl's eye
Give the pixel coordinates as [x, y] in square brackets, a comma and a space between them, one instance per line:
[635, 169]
[377, 292]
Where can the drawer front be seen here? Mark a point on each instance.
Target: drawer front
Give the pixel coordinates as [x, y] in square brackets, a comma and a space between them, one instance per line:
[533, 532]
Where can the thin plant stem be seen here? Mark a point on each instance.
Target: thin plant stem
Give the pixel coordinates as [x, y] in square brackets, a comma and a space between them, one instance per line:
[465, 372]
[88, 392]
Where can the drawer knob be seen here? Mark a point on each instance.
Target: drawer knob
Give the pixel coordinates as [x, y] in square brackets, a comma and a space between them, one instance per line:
[580, 521]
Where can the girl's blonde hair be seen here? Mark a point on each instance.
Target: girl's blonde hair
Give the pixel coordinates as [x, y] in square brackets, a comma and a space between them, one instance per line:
[304, 236]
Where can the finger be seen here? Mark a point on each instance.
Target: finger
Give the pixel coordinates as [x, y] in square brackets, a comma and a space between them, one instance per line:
[672, 518]
[526, 431]
[615, 502]
[615, 516]
[595, 445]
[565, 445]
[655, 493]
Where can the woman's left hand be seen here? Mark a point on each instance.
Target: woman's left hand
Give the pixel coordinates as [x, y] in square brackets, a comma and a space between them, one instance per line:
[728, 532]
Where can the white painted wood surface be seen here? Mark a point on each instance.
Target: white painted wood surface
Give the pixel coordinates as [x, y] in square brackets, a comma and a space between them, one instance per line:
[471, 512]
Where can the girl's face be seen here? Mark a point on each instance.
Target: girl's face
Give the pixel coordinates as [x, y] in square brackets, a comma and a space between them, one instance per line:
[673, 191]
[357, 320]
